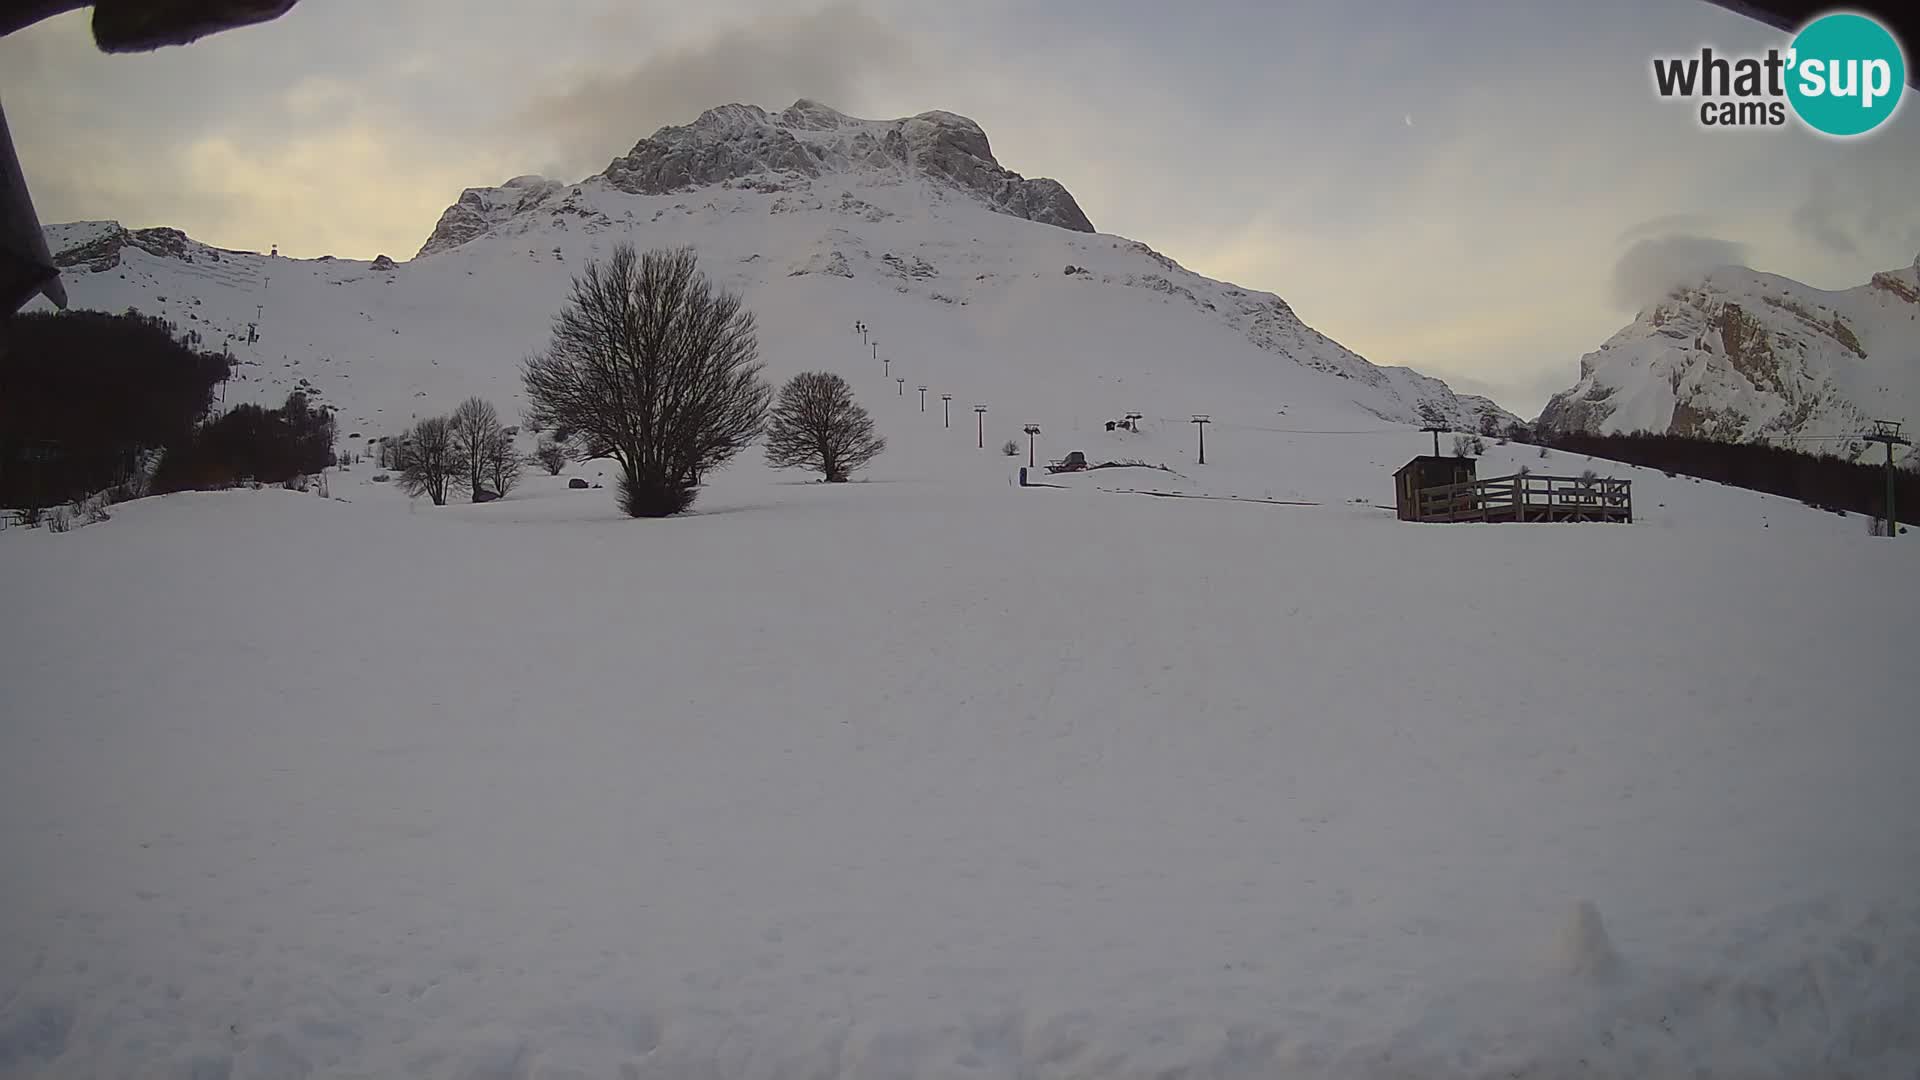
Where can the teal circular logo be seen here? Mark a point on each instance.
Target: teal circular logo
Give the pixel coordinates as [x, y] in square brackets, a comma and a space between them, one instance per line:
[1846, 74]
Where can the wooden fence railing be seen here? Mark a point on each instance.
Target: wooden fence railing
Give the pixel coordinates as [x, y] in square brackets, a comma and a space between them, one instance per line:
[1528, 497]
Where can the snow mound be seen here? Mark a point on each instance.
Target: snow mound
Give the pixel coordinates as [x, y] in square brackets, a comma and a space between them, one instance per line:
[1584, 950]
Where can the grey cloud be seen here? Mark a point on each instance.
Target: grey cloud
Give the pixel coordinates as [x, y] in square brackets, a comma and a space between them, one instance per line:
[825, 54]
[1665, 224]
[1817, 220]
[1863, 205]
[1654, 265]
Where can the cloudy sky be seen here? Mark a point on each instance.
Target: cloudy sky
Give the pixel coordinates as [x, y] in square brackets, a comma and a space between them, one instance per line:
[1482, 190]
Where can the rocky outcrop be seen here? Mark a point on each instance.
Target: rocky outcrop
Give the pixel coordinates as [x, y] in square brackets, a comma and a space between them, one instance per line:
[808, 140]
[1744, 356]
[479, 210]
[728, 143]
[1045, 201]
[1578, 410]
[830, 262]
[101, 251]
[745, 147]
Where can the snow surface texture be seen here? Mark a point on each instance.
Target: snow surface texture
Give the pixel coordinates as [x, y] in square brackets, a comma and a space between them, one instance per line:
[1746, 356]
[936, 776]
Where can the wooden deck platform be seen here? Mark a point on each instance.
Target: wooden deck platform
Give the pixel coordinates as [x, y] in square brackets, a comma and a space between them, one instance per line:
[1529, 497]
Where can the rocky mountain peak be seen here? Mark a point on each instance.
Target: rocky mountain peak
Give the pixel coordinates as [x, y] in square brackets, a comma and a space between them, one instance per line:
[807, 114]
[478, 210]
[96, 246]
[808, 140]
[1741, 355]
[795, 146]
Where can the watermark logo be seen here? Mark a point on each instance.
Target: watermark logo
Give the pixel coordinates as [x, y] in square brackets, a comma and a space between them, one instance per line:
[1842, 75]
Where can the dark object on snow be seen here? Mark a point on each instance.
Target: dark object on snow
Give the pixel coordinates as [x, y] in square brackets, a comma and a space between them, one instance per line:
[1111, 425]
[482, 495]
[381, 478]
[576, 482]
[1074, 462]
[1127, 464]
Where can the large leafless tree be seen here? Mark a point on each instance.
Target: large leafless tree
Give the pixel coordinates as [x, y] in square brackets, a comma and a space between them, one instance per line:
[653, 366]
[428, 459]
[817, 425]
[504, 464]
[476, 431]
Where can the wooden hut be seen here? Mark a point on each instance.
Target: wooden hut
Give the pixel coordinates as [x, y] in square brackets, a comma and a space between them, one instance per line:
[1423, 472]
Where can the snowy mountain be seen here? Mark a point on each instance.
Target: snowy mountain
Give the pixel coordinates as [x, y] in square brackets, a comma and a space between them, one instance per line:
[1747, 356]
[771, 152]
[1166, 768]
[993, 285]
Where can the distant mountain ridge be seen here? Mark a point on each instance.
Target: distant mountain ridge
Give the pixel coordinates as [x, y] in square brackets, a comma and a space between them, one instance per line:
[1744, 356]
[910, 221]
[805, 141]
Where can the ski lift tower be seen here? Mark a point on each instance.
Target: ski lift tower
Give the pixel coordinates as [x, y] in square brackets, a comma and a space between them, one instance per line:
[1888, 432]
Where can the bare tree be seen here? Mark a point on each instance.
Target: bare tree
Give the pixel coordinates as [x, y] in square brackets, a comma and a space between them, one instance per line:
[476, 432]
[429, 460]
[551, 455]
[1468, 446]
[654, 367]
[503, 465]
[817, 425]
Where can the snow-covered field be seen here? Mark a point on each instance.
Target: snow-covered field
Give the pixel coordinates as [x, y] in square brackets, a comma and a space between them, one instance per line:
[931, 775]
[937, 776]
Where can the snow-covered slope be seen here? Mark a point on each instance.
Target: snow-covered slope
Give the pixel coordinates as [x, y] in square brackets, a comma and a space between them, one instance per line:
[820, 220]
[805, 142]
[1744, 356]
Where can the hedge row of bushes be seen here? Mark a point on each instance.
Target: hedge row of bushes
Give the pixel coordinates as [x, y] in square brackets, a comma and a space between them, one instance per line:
[271, 446]
[84, 394]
